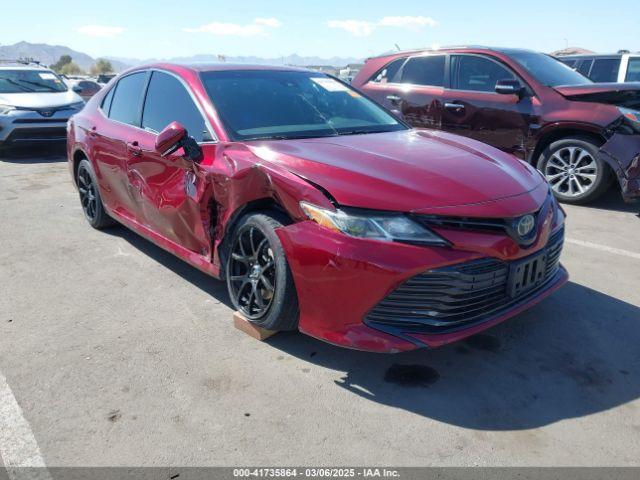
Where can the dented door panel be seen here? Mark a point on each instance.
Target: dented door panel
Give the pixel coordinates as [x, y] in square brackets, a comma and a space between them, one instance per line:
[169, 192]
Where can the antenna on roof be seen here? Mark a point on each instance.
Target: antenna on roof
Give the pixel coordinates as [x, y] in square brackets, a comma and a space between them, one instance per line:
[397, 47]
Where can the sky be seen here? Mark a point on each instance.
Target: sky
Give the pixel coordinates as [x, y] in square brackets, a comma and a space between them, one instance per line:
[325, 28]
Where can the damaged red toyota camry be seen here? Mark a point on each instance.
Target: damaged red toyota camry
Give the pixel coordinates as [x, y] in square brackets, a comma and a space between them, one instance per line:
[321, 210]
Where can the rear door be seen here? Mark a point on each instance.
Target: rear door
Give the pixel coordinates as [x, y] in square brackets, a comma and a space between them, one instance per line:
[471, 107]
[411, 88]
[114, 139]
[168, 189]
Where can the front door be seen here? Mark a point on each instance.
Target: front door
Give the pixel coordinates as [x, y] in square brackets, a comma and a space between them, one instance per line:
[471, 107]
[169, 190]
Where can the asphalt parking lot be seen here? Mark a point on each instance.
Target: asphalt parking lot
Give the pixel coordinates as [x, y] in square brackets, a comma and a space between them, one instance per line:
[113, 352]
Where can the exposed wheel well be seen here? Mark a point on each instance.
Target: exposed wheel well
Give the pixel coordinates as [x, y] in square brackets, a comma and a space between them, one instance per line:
[260, 205]
[78, 156]
[559, 134]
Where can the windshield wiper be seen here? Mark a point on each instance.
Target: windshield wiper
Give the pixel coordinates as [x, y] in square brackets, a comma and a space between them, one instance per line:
[360, 131]
[38, 84]
[291, 137]
[13, 82]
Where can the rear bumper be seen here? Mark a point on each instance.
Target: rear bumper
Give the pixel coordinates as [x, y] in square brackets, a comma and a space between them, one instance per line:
[340, 280]
[622, 153]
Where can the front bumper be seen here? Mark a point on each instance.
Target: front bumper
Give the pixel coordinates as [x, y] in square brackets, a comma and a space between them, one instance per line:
[29, 127]
[622, 153]
[340, 280]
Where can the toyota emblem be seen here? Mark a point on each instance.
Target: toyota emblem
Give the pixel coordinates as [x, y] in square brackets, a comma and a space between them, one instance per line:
[525, 225]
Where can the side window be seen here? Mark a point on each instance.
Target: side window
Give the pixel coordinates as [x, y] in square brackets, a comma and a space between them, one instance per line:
[605, 70]
[585, 66]
[387, 74]
[127, 97]
[478, 74]
[168, 101]
[427, 70]
[569, 61]
[633, 70]
[106, 101]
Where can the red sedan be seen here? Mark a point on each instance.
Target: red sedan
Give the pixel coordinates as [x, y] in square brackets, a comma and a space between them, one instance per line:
[321, 210]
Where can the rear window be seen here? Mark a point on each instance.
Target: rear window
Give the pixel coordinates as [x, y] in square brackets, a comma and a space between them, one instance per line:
[605, 70]
[388, 73]
[633, 70]
[427, 70]
[127, 98]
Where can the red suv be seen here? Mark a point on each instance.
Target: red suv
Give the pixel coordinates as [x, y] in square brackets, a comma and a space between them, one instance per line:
[321, 210]
[581, 135]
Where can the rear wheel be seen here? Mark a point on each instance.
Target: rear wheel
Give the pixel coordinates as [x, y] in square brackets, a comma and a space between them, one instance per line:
[90, 199]
[259, 280]
[574, 170]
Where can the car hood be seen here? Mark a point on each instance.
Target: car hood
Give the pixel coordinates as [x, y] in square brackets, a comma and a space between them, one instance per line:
[410, 171]
[39, 99]
[621, 94]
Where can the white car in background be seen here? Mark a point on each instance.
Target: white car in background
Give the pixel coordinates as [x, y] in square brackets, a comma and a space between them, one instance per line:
[617, 67]
[35, 105]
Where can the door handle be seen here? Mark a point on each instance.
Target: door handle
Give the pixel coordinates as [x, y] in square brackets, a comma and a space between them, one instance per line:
[393, 98]
[458, 107]
[134, 148]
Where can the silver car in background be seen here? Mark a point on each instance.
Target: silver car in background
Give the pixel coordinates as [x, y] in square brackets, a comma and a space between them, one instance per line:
[35, 105]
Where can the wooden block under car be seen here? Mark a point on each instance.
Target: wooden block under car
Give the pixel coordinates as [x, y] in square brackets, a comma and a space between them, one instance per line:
[250, 329]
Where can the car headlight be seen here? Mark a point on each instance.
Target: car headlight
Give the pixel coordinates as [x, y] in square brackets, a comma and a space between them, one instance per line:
[374, 226]
[632, 116]
[6, 109]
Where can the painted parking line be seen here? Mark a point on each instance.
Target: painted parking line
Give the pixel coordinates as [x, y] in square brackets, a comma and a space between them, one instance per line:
[604, 248]
[18, 446]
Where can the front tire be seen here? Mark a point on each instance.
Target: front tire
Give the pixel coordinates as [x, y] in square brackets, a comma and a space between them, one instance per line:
[90, 199]
[574, 170]
[259, 280]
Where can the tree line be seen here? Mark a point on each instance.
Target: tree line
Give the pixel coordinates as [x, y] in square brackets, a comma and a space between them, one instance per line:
[66, 66]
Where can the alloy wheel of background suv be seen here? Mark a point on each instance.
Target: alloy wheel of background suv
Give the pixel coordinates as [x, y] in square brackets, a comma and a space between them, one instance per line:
[574, 171]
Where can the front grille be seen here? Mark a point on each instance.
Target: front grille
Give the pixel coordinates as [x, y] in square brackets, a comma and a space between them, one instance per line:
[450, 297]
[25, 135]
[506, 226]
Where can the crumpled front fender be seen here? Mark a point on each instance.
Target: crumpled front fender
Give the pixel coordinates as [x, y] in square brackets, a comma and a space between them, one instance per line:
[622, 153]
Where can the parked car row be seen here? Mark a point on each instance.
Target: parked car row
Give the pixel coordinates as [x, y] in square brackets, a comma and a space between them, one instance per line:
[382, 229]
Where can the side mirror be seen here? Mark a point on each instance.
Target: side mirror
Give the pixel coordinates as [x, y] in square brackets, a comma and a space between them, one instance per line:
[173, 137]
[77, 89]
[509, 87]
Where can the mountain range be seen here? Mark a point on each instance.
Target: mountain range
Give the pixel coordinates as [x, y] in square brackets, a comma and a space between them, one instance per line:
[48, 54]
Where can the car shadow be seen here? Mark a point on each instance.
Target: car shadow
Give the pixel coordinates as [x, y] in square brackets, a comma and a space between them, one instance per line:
[573, 355]
[204, 282]
[612, 200]
[32, 155]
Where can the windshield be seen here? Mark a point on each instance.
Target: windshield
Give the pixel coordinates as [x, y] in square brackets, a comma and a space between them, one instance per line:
[29, 81]
[268, 104]
[548, 70]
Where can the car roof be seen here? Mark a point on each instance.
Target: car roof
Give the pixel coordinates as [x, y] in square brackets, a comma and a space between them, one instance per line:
[22, 66]
[457, 49]
[593, 55]
[213, 67]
